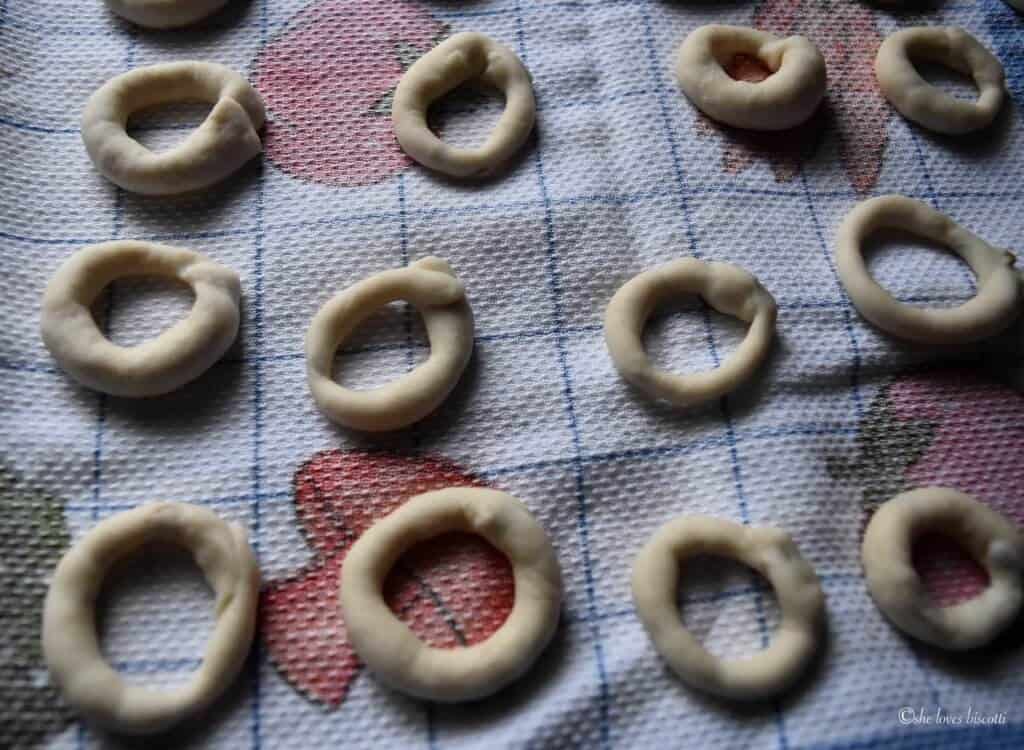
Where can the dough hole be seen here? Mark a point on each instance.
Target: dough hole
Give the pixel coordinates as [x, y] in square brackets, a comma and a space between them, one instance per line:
[918, 272]
[676, 336]
[135, 309]
[158, 588]
[723, 603]
[453, 590]
[390, 342]
[949, 573]
[953, 82]
[748, 68]
[165, 126]
[466, 116]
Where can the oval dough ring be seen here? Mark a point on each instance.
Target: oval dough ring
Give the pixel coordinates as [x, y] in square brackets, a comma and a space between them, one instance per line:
[394, 653]
[164, 14]
[725, 287]
[928, 105]
[178, 355]
[771, 553]
[990, 311]
[788, 97]
[990, 538]
[225, 140]
[70, 644]
[432, 287]
[458, 59]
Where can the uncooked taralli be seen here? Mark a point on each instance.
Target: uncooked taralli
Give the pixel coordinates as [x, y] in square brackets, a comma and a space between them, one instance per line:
[990, 538]
[394, 653]
[783, 100]
[991, 310]
[432, 287]
[771, 553]
[178, 355]
[225, 140]
[165, 14]
[70, 643]
[725, 287]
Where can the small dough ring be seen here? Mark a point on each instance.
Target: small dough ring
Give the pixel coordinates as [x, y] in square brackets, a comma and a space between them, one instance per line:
[71, 646]
[225, 140]
[990, 538]
[432, 287]
[164, 14]
[458, 59]
[725, 287]
[394, 653]
[178, 355]
[928, 105]
[771, 553]
[788, 97]
[989, 312]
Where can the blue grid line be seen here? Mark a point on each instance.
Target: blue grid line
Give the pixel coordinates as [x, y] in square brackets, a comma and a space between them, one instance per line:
[224, 501]
[582, 521]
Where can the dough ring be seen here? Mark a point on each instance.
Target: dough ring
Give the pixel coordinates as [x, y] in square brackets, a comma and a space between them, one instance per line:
[786, 98]
[990, 538]
[771, 553]
[989, 312]
[928, 105]
[70, 644]
[458, 59]
[178, 355]
[725, 287]
[432, 287]
[164, 14]
[225, 141]
[394, 653]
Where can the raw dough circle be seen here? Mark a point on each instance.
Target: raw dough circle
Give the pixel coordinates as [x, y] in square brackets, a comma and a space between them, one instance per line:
[725, 287]
[70, 644]
[990, 538]
[928, 105]
[771, 553]
[458, 59]
[225, 140]
[164, 14]
[783, 100]
[178, 355]
[990, 311]
[394, 653]
[432, 287]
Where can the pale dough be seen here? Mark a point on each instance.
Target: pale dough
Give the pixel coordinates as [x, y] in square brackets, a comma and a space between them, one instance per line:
[165, 14]
[994, 307]
[225, 140]
[394, 653]
[468, 56]
[928, 105]
[771, 553]
[786, 98]
[432, 287]
[728, 289]
[71, 646]
[990, 538]
[178, 355]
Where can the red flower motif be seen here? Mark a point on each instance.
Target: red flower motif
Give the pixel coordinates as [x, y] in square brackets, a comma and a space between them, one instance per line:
[327, 81]
[454, 590]
[847, 36]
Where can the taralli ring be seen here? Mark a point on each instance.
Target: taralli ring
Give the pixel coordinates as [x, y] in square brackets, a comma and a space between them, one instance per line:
[394, 653]
[728, 289]
[164, 14]
[994, 307]
[70, 644]
[928, 105]
[771, 553]
[175, 357]
[990, 538]
[783, 100]
[432, 287]
[225, 140]
[464, 57]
